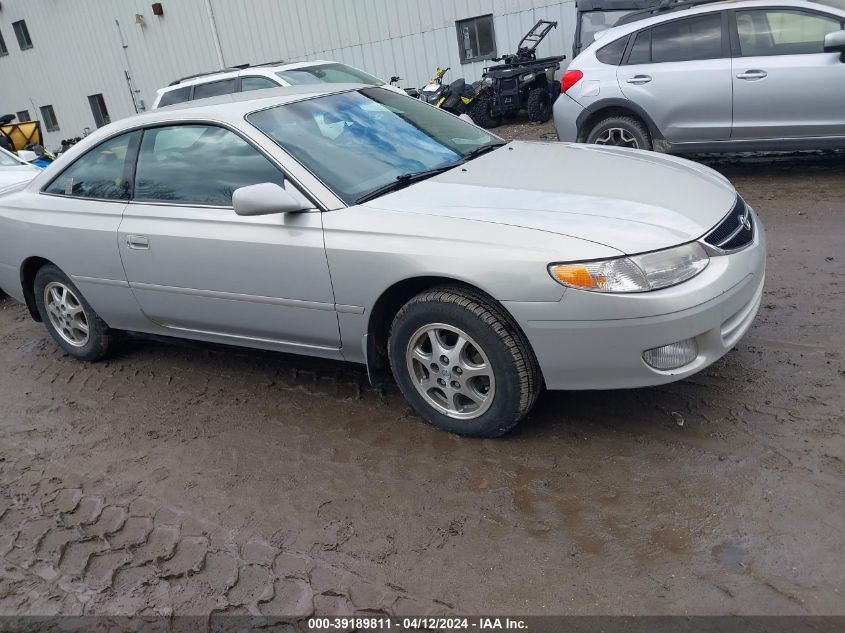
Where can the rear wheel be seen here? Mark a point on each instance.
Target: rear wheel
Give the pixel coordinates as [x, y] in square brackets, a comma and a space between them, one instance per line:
[71, 321]
[539, 105]
[462, 363]
[621, 131]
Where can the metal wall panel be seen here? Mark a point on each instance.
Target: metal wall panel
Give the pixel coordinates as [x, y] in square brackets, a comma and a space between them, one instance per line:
[77, 49]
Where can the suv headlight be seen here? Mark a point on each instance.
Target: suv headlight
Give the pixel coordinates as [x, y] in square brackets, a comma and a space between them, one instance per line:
[638, 273]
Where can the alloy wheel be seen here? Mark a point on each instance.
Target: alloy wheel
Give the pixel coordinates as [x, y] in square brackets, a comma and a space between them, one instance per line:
[450, 371]
[617, 136]
[66, 314]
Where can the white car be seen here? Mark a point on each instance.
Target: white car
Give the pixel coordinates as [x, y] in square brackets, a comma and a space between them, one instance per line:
[14, 171]
[273, 75]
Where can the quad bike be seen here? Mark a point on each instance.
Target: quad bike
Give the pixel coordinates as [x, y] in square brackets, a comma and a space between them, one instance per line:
[522, 82]
[457, 97]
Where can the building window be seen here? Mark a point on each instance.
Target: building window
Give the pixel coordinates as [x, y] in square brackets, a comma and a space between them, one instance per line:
[98, 109]
[476, 39]
[23, 115]
[3, 49]
[22, 33]
[49, 116]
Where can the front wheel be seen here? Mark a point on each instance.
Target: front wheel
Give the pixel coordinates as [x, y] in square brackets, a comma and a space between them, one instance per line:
[71, 321]
[462, 363]
[481, 111]
[621, 131]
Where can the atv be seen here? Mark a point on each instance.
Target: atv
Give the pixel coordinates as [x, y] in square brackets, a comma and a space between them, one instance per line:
[457, 97]
[521, 82]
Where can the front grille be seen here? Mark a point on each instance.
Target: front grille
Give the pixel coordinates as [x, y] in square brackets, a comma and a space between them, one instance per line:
[735, 231]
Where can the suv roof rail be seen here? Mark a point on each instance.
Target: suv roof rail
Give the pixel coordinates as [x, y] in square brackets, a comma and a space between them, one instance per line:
[664, 6]
[276, 63]
[205, 74]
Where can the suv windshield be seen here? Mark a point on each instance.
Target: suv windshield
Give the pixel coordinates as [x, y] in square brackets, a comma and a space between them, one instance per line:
[359, 142]
[328, 74]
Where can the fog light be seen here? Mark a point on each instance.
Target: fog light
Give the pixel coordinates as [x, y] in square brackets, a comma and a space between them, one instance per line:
[672, 356]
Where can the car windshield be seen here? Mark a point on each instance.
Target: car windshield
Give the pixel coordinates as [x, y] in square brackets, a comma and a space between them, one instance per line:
[328, 74]
[361, 141]
[593, 22]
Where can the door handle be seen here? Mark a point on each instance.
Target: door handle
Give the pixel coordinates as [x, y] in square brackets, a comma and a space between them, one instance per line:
[753, 75]
[138, 242]
[639, 80]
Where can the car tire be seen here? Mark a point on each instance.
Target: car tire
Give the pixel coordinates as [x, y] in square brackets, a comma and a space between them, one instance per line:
[621, 131]
[67, 316]
[481, 111]
[539, 105]
[492, 379]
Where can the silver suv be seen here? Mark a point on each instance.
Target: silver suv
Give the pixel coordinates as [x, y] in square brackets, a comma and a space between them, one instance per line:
[729, 76]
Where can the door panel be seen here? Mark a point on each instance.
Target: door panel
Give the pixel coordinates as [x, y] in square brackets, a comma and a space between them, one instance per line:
[680, 72]
[689, 101]
[784, 85]
[213, 271]
[194, 264]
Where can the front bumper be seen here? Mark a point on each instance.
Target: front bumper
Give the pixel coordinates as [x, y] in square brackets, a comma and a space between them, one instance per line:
[596, 341]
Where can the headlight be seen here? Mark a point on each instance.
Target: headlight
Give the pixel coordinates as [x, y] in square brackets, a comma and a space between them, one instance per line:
[638, 273]
[529, 77]
[487, 81]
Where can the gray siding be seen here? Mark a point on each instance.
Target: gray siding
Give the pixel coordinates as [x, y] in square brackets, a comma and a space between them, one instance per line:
[77, 49]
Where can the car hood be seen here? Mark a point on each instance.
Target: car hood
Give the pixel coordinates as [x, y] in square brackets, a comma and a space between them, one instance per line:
[629, 200]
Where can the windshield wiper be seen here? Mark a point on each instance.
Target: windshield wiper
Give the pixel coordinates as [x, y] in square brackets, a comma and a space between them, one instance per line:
[478, 151]
[403, 180]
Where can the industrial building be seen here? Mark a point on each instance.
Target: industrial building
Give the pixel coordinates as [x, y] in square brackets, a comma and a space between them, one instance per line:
[75, 65]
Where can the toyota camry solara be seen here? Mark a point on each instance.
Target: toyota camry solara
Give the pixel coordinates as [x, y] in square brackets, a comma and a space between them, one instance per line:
[362, 225]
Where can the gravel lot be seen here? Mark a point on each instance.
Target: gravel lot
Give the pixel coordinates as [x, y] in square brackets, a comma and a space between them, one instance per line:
[183, 478]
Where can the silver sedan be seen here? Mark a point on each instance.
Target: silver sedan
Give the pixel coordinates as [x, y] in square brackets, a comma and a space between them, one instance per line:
[356, 224]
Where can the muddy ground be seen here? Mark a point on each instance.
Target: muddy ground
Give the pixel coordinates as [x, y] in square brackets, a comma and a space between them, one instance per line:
[185, 478]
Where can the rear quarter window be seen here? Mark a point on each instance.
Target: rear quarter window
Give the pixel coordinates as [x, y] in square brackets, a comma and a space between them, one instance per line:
[179, 95]
[612, 53]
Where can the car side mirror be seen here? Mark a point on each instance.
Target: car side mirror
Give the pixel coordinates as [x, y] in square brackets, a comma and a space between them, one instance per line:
[265, 198]
[27, 155]
[835, 43]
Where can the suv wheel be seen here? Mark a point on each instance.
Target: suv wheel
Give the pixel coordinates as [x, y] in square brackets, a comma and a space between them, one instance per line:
[539, 105]
[69, 318]
[621, 131]
[462, 363]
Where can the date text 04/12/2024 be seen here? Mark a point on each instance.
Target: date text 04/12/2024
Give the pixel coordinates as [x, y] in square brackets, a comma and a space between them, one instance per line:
[422, 623]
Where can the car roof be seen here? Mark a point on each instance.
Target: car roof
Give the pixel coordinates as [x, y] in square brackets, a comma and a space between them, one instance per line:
[618, 31]
[242, 103]
[227, 73]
